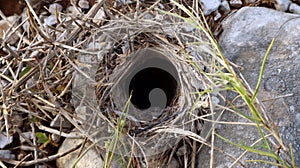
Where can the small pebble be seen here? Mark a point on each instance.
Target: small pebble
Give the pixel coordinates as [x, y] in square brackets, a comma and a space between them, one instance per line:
[159, 17]
[4, 140]
[161, 6]
[4, 83]
[187, 27]
[100, 15]
[34, 54]
[95, 45]
[209, 6]
[294, 8]
[148, 16]
[26, 135]
[50, 20]
[236, 3]
[59, 121]
[250, 1]
[55, 138]
[6, 154]
[73, 10]
[217, 15]
[282, 5]
[292, 109]
[297, 118]
[215, 100]
[55, 8]
[278, 70]
[123, 2]
[83, 4]
[280, 124]
[224, 7]
[81, 113]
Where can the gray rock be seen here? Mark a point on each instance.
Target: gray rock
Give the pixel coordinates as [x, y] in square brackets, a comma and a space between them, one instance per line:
[217, 15]
[3, 83]
[148, 16]
[209, 6]
[72, 10]
[60, 122]
[55, 8]
[236, 3]
[6, 154]
[100, 16]
[187, 27]
[83, 4]
[282, 5]
[224, 8]
[245, 39]
[4, 140]
[294, 8]
[50, 20]
[250, 1]
[90, 159]
[27, 135]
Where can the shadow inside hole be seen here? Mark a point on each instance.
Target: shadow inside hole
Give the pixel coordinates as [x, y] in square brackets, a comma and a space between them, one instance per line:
[152, 80]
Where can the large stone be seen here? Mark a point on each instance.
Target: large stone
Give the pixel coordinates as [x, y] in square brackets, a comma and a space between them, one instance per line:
[245, 39]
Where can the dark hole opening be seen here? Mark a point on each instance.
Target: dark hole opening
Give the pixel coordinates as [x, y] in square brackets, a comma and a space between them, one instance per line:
[148, 79]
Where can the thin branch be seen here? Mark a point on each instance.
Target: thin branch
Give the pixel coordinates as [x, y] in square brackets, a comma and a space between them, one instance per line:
[42, 160]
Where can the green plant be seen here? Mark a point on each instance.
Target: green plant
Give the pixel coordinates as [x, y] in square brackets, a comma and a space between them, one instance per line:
[116, 139]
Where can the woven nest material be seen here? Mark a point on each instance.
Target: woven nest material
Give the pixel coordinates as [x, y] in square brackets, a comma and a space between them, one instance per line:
[126, 46]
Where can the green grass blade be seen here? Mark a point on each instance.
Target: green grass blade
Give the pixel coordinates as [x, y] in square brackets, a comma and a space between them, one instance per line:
[26, 69]
[267, 162]
[113, 145]
[293, 157]
[251, 149]
[262, 70]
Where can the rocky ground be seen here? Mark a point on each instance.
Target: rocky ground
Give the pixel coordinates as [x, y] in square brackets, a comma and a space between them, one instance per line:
[244, 30]
[244, 40]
